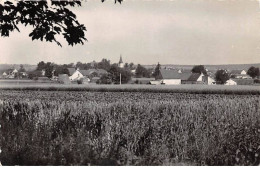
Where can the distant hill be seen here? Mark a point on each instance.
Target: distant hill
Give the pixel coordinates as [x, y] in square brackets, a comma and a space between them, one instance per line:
[210, 67]
[17, 66]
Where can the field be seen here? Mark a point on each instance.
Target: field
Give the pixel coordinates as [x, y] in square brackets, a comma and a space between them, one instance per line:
[138, 126]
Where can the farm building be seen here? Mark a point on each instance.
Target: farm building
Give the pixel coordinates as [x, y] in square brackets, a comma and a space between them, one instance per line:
[198, 78]
[10, 73]
[71, 70]
[244, 81]
[230, 82]
[76, 75]
[195, 78]
[235, 72]
[169, 77]
[90, 73]
[64, 79]
[142, 80]
[155, 82]
[185, 76]
[240, 76]
[4, 75]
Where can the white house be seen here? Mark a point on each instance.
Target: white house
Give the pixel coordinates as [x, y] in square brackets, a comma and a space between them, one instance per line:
[230, 82]
[76, 75]
[211, 81]
[235, 72]
[155, 82]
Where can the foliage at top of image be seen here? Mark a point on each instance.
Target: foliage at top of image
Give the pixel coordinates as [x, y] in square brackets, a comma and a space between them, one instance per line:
[47, 19]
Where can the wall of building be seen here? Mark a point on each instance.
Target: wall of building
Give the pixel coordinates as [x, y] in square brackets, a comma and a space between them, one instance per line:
[171, 81]
[76, 75]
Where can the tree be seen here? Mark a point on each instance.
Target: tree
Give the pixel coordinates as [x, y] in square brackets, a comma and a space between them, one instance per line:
[48, 20]
[199, 69]
[49, 69]
[41, 65]
[222, 76]
[105, 79]
[141, 71]
[253, 72]
[131, 66]
[157, 70]
[115, 72]
[21, 69]
[61, 69]
[104, 64]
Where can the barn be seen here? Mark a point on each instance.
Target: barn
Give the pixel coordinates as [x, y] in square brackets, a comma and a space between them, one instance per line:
[230, 82]
[169, 77]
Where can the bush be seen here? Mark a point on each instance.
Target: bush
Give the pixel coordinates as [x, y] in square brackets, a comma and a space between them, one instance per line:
[257, 81]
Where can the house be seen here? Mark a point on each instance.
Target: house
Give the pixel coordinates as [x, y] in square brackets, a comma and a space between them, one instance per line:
[64, 79]
[211, 80]
[197, 78]
[142, 80]
[240, 76]
[155, 82]
[76, 75]
[234, 72]
[230, 82]
[11, 73]
[71, 71]
[185, 76]
[169, 77]
[90, 73]
[4, 75]
[244, 81]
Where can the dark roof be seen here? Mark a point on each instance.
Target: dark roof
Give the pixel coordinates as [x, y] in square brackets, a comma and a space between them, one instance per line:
[185, 75]
[71, 70]
[170, 74]
[90, 71]
[101, 71]
[194, 77]
[143, 78]
[244, 81]
[84, 72]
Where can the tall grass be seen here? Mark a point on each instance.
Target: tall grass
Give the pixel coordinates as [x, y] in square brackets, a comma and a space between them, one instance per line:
[163, 129]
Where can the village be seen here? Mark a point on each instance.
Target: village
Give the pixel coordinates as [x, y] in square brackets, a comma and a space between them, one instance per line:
[124, 73]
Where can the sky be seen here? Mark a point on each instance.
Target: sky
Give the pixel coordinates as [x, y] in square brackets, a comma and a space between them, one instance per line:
[150, 31]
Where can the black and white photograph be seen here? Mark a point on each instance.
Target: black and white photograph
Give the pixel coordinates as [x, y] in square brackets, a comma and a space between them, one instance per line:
[129, 83]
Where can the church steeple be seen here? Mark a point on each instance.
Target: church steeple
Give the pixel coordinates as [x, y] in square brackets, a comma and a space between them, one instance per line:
[121, 60]
[120, 63]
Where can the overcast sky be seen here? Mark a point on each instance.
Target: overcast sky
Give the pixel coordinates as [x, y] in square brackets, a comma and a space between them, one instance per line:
[147, 32]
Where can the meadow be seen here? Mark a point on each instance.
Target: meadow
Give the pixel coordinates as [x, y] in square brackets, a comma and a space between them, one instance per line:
[138, 127]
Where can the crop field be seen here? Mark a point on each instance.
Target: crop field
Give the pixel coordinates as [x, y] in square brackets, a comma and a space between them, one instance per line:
[43, 126]
[187, 88]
